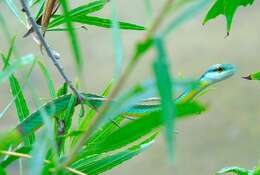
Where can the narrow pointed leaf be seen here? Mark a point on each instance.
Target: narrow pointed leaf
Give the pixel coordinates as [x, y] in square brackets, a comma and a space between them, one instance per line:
[164, 85]
[79, 11]
[106, 23]
[18, 63]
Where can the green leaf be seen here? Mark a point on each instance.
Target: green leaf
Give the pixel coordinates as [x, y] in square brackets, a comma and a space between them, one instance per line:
[236, 170]
[5, 163]
[99, 164]
[164, 85]
[2, 171]
[105, 131]
[47, 76]
[139, 128]
[17, 64]
[72, 34]
[226, 8]
[22, 109]
[257, 171]
[21, 105]
[254, 76]
[58, 105]
[84, 124]
[117, 41]
[79, 11]
[142, 48]
[106, 23]
[41, 8]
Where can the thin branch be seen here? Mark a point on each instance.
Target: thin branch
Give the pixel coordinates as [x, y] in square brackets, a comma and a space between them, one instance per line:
[27, 156]
[151, 31]
[49, 51]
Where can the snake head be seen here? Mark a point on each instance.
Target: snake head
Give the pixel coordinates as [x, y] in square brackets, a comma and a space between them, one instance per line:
[218, 72]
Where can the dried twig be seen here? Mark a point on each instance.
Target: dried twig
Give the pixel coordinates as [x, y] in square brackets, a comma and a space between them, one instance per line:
[49, 51]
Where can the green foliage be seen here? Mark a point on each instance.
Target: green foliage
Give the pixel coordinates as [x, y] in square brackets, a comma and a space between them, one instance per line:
[17, 93]
[97, 164]
[131, 121]
[164, 84]
[238, 171]
[48, 78]
[106, 23]
[2, 171]
[72, 34]
[226, 8]
[17, 64]
[254, 76]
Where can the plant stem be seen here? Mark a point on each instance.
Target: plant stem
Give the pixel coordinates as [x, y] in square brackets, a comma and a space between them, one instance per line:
[27, 156]
[48, 49]
[159, 19]
[151, 31]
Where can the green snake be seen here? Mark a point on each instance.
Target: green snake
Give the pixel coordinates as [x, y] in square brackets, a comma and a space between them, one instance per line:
[34, 121]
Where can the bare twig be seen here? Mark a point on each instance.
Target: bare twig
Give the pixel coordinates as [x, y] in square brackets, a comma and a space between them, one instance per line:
[49, 51]
[27, 156]
[154, 27]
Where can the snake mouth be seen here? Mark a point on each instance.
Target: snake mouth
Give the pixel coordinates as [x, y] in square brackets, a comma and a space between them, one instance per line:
[230, 70]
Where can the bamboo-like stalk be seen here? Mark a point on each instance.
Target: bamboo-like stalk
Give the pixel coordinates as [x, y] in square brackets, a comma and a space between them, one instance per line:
[27, 156]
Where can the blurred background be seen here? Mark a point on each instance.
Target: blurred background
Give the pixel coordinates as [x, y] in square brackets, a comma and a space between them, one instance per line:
[226, 135]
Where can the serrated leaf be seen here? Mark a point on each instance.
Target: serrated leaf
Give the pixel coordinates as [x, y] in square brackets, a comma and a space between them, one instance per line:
[227, 8]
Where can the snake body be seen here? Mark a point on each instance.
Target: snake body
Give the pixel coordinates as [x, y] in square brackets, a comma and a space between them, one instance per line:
[34, 121]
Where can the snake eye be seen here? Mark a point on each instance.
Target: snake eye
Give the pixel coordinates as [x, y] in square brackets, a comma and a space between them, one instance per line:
[219, 69]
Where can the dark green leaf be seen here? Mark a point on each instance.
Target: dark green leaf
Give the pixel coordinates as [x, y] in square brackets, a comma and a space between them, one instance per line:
[226, 8]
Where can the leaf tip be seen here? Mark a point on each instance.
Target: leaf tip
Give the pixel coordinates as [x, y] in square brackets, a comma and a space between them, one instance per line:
[247, 77]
